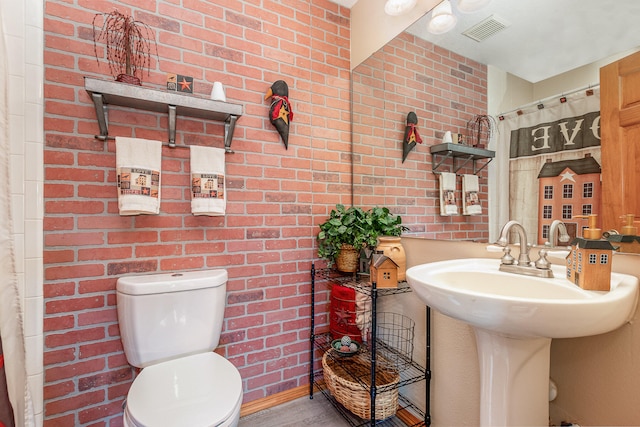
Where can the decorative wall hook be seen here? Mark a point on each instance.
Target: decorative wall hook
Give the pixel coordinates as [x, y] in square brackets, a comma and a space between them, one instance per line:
[280, 112]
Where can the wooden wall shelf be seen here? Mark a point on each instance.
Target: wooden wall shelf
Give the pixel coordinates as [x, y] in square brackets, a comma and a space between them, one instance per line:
[106, 92]
[461, 155]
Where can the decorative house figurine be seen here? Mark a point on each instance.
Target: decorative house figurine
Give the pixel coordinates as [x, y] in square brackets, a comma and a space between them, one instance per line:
[628, 240]
[577, 178]
[589, 262]
[383, 271]
[625, 243]
[365, 261]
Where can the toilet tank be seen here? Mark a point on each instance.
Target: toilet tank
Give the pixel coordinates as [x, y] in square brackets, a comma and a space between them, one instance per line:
[171, 315]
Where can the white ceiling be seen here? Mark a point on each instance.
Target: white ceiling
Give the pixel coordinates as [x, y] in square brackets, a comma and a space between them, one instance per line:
[545, 37]
[347, 3]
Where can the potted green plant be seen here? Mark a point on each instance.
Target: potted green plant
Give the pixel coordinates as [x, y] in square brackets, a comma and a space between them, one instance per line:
[381, 222]
[128, 44]
[384, 233]
[350, 230]
[341, 237]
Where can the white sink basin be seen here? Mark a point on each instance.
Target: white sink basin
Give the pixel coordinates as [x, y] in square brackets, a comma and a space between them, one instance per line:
[474, 291]
[514, 318]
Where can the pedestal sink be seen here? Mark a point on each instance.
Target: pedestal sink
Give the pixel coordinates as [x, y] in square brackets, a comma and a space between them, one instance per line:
[514, 318]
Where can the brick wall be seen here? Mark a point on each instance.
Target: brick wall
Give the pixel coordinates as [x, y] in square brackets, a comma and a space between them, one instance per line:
[266, 239]
[445, 91]
[275, 196]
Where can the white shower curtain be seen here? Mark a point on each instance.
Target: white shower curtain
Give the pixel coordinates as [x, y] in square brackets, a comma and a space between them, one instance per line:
[11, 325]
[521, 162]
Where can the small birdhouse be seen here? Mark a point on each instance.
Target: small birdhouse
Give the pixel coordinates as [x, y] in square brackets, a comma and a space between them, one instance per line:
[365, 261]
[384, 271]
[589, 264]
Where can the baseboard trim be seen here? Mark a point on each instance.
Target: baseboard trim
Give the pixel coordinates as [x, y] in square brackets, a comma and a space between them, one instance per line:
[301, 391]
[274, 400]
[408, 418]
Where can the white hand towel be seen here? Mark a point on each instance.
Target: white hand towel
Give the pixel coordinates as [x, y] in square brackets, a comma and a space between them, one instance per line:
[363, 315]
[470, 199]
[448, 194]
[208, 190]
[138, 164]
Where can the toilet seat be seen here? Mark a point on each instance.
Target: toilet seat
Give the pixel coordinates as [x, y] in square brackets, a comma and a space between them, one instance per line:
[203, 390]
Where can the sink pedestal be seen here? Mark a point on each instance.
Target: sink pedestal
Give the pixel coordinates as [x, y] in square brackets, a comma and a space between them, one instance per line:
[514, 379]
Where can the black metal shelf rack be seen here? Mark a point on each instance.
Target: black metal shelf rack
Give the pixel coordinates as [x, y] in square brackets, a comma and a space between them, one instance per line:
[408, 414]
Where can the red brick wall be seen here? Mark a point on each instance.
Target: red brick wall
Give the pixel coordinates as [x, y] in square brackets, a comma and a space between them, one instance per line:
[266, 240]
[275, 196]
[445, 90]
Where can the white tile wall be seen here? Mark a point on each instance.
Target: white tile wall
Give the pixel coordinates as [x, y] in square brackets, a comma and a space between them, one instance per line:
[25, 40]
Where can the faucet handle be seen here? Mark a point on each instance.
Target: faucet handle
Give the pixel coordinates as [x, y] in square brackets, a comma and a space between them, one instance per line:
[507, 258]
[543, 263]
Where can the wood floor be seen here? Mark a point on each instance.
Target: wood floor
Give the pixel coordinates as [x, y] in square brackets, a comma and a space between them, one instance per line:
[316, 412]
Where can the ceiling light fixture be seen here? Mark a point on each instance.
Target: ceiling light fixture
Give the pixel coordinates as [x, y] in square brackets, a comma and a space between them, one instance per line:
[398, 7]
[442, 18]
[470, 6]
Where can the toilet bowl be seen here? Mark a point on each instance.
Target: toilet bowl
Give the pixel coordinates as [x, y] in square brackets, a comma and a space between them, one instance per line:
[204, 390]
[169, 325]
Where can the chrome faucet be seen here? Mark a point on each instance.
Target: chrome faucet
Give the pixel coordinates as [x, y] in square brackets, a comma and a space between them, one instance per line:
[557, 230]
[523, 258]
[541, 268]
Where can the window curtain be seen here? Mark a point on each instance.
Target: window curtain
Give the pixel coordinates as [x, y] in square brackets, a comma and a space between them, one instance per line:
[11, 330]
[562, 128]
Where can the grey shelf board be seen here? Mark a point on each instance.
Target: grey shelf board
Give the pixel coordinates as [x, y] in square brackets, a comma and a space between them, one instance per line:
[108, 92]
[459, 150]
[461, 155]
[126, 95]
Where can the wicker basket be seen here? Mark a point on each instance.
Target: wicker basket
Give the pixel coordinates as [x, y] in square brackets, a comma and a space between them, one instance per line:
[340, 378]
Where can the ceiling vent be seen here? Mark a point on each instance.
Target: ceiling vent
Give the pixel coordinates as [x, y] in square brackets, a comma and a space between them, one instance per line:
[487, 28]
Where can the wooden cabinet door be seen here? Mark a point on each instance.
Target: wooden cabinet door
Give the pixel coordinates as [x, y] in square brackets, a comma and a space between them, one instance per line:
[620, 133]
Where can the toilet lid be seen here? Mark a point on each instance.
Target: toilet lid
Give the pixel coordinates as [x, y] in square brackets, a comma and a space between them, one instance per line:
[195, 391]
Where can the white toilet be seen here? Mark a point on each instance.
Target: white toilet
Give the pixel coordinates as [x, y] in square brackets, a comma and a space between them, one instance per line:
[170, 324]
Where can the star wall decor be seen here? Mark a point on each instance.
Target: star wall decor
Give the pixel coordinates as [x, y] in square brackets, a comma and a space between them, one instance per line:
[179, 83]
[185, 85]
